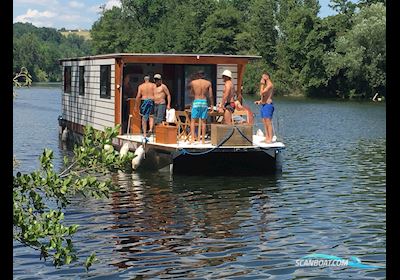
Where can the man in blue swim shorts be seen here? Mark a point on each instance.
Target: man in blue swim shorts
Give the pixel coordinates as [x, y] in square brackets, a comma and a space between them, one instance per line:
[201, 89]
[146, 97]
[267, 107]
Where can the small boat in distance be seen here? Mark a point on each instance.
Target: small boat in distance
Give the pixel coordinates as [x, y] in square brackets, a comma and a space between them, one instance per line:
[100, 91]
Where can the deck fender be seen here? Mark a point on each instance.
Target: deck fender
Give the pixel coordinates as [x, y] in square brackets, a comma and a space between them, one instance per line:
[64, 136]
[138, 157]
[124, 150]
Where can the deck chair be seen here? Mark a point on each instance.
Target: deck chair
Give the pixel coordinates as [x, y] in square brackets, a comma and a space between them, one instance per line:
[183, 124]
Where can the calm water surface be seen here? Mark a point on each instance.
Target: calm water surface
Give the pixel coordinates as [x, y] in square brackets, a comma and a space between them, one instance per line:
[329, 199]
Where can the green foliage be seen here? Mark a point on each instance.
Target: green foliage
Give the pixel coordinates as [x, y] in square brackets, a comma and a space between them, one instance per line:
[291, 51]
[252, 75]
[308, 55]
[185, 33]
[262, 30]
[39, 225]
[360, 54]
[39, 49]
[220, 31]
[21, 79]
[343, 6]
[111, 34]
[90, 260]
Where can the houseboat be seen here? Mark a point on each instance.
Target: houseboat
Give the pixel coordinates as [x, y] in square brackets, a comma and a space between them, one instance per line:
[100, 91]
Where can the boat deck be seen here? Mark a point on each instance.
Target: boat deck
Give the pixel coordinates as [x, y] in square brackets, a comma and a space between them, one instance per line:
[258, 142]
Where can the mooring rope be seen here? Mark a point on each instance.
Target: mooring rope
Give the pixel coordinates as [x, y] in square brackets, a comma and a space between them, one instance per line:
[185, 152]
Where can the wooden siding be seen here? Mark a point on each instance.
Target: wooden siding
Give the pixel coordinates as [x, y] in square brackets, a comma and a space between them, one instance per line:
[89, 108]
[220, 82]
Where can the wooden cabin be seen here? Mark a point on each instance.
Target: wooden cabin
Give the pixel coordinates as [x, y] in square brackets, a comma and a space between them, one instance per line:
[100, 91]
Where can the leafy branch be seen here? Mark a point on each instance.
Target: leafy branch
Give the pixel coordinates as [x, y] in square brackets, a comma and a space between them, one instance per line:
[22, 79]
[40, 226]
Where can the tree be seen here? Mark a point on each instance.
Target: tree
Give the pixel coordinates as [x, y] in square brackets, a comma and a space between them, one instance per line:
[291, 51]
[251, 79]
[320, 41]
[39, 49]
[360, 54]
[109, 34]
[147, 13]
[220, 31]
[187, 32]
[184, 33]
[262, 29]
[343, 6]
[27, 51]
[362, 3]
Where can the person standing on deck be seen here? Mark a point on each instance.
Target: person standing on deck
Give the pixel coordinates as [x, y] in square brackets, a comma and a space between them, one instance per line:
[160, 93]
[267, 107]
[201, 89]
[227, 104]
[146, 95]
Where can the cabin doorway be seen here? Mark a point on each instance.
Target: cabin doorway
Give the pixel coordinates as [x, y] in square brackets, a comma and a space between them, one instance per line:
[189, 72]
[133, 74]
[175, 76]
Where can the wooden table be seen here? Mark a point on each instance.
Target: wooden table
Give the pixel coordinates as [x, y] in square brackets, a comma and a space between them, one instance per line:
[216, 117]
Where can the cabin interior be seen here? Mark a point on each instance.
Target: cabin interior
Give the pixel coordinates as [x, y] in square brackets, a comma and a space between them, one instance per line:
[175, 76]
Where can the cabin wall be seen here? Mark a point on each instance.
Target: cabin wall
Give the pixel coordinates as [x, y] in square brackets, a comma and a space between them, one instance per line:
[89, 108]
[220, 82]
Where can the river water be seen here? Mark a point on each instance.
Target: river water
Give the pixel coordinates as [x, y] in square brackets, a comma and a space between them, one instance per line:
[328, 199]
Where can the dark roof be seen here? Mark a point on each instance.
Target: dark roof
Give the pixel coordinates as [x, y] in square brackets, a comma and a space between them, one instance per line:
[162, 55]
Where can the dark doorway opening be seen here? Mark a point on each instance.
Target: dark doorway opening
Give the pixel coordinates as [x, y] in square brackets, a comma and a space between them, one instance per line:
[175, 76]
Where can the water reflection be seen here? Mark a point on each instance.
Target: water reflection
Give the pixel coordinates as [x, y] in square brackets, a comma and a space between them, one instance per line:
[187, 221]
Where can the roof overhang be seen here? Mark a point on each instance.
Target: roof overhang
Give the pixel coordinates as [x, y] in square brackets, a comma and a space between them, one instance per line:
[171, 58]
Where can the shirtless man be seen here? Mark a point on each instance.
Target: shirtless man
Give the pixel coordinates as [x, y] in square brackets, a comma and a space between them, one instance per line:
[227, 104]
[201, 89]
[267, 107]
[146, 95]
[160, 93]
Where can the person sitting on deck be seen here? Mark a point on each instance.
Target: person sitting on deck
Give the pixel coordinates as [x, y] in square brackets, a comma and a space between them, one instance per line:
[227, 104]
[249, 114]
[146, 95]
[201, 89]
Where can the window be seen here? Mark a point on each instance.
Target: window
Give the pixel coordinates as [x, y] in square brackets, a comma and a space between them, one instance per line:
[81, 80]
[105, 81]
[67, 79]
